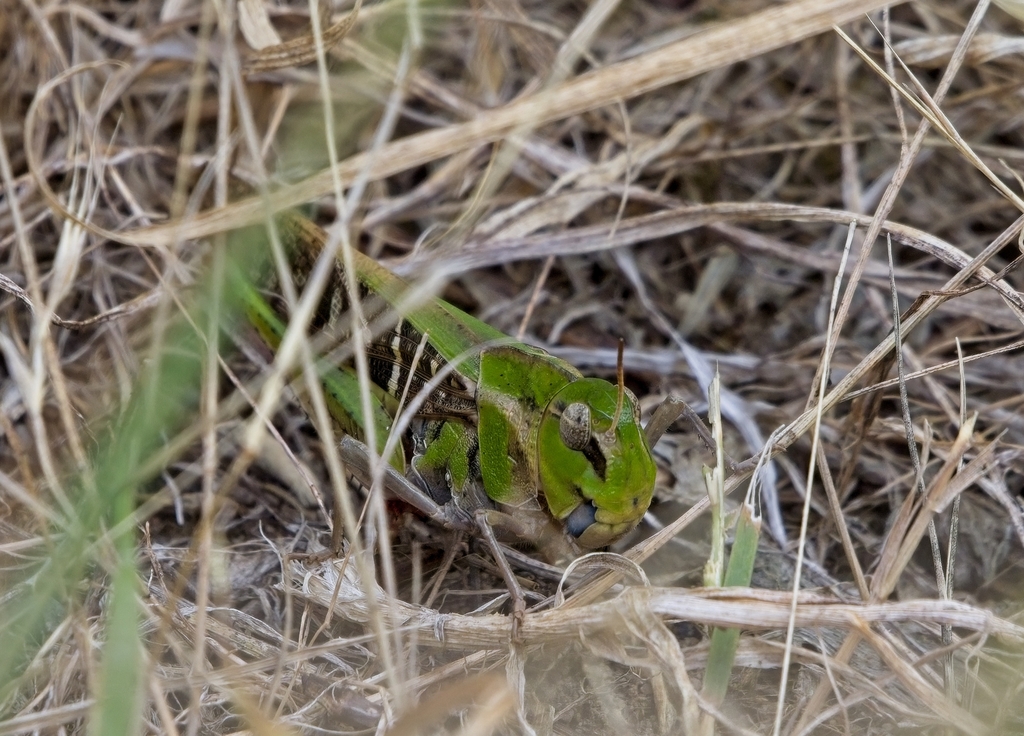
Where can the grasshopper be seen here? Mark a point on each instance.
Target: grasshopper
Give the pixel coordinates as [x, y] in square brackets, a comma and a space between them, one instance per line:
[505, 436]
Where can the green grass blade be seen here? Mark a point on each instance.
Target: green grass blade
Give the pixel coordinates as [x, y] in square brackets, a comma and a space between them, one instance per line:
[737, 574]
[714, 480]
[163, 401]
[740, 567]
[118, 708]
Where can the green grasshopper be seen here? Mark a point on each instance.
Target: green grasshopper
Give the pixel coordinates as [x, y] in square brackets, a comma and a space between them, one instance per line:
[505, 435]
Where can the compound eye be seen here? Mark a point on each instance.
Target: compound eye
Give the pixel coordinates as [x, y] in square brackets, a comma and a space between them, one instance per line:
[574, 426]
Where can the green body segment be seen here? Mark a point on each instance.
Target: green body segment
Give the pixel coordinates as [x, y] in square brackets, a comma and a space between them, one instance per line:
[515, 387]
[536, 438]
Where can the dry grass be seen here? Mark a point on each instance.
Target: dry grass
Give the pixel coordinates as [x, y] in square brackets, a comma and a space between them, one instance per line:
[683, 175]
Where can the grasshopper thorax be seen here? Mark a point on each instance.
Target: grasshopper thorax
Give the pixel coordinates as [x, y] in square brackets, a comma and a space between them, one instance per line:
[598, 479]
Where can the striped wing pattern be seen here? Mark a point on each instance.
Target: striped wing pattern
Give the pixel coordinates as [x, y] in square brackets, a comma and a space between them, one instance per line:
[392, 350]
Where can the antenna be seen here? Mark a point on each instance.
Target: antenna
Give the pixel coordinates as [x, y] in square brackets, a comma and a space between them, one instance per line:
[620, 374]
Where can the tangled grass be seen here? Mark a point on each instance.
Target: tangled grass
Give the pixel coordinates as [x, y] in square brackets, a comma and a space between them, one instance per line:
[734, 187]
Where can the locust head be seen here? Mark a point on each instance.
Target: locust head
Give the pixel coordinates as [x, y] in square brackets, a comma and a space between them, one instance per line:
[596, 468]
